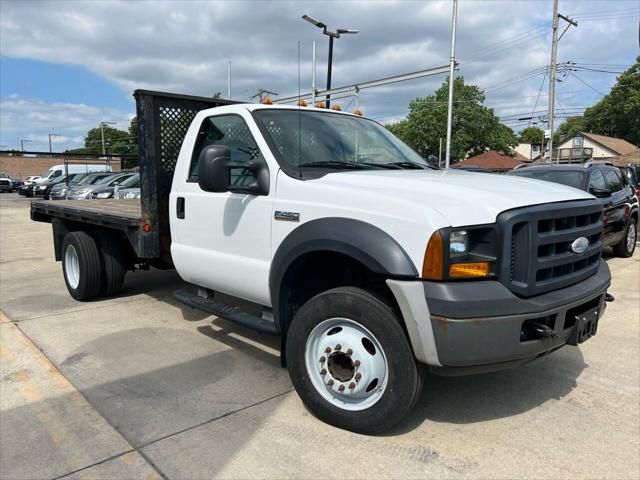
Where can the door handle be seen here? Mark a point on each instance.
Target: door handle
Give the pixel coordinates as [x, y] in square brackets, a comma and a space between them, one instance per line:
[180, 207]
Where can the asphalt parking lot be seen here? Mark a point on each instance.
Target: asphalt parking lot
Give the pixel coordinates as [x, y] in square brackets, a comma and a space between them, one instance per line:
[139, 386]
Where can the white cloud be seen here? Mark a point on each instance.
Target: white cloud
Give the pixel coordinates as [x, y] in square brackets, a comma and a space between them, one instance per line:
[33, 119]
[184, 46]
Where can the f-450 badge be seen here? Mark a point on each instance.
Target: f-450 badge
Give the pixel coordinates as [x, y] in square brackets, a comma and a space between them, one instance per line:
[286, 216]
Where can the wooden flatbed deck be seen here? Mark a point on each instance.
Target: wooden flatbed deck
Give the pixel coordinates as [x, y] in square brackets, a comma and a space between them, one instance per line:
[125, 212]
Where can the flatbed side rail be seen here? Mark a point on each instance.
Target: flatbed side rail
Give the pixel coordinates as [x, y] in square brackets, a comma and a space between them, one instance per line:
[163, 121]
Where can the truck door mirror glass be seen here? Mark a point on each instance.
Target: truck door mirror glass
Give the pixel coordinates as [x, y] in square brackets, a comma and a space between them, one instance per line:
[600, 192]
[213, 169]
[217, 173]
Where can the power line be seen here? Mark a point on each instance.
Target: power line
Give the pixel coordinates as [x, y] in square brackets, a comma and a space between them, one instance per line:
[538, 97]
[592, 88]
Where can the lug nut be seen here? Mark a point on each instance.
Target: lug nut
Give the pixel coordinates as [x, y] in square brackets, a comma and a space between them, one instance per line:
[323, 371]
[341, 388]
[338, 347]
[357, 363]
[352, 386]
[327, 350]
[349, 352]
[322, 359]
[358, 376]
[330, 382]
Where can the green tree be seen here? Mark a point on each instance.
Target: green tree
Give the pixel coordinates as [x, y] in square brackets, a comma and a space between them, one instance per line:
[531, 135]
[568, 127]
[617, 114]
[476, 128]
[217, 96]
[115, 141]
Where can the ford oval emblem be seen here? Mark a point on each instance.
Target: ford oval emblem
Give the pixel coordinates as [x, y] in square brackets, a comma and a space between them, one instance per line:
[579, 245]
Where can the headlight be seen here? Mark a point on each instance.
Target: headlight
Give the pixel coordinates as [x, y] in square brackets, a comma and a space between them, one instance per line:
[82, 191]
[458, 243]
[103, 195]
[464, 253]
[132, 195]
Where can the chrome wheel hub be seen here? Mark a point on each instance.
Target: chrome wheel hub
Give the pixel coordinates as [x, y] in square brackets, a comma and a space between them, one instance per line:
[631, 236]
[346, 364]
[72, 266]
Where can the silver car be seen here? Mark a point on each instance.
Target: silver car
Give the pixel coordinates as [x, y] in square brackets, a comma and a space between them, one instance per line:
[81, 192]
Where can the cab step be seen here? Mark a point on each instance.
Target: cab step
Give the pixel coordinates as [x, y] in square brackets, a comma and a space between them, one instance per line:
[228, 312]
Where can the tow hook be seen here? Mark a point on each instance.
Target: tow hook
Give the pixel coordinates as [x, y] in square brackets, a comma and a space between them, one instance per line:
[608, 297]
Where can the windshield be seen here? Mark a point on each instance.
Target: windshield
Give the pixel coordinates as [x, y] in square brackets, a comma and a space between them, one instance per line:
[130, 182]
[46, 173]
[308, 139]
[569, 178]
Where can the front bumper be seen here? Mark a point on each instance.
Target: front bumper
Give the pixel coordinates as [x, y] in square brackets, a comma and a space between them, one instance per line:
[475, 327]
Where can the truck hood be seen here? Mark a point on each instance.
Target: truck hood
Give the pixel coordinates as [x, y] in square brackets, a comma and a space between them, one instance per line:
[457, 195]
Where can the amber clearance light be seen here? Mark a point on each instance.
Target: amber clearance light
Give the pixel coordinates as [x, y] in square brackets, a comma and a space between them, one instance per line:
[473, 269]
[432, 264]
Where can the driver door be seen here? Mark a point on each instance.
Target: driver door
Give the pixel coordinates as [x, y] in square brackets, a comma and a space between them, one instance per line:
[222, 241]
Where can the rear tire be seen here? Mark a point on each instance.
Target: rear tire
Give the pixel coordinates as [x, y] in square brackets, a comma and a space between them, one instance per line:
[81, 265]
[113, 263]
[627, 246]
[365, 378]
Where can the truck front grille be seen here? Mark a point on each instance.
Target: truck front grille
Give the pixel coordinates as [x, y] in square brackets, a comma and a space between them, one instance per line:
[537, 244]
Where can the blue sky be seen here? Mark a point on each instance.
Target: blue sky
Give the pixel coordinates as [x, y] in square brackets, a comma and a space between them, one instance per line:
[67, 65]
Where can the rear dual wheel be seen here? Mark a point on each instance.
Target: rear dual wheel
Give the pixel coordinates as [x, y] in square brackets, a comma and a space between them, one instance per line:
[92, 268]
[350, 361]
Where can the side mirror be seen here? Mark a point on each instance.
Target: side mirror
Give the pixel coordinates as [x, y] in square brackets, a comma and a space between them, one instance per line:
[600, 192]
[215, 167]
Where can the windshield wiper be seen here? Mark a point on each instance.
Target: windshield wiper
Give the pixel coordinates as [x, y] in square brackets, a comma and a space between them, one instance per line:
[412, 165]
[336, 164]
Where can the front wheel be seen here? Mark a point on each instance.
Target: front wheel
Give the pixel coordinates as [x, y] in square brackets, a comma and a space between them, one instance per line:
[350, 361]
[627, 246]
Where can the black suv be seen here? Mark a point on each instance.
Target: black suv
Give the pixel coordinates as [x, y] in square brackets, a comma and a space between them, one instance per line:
[606, 182]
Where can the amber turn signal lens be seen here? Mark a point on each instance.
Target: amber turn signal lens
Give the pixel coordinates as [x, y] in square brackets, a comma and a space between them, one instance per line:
[466, 270]
[433, 262]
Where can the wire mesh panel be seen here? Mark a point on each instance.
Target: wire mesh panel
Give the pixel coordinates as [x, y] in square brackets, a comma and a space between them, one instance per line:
[163, 121]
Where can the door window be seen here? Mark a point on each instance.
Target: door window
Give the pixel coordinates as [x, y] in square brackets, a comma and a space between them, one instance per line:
[613, 180]
[597, 181]
[230, 131]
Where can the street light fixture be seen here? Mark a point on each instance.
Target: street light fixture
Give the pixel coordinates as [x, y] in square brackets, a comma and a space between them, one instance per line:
[340, 31]
[102, 124]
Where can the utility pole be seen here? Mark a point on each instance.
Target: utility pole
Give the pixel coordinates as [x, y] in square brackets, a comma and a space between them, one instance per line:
[313, 75]
[22, 144]
[52, 135]
[102, 124]
[452, 64]
[553, 69]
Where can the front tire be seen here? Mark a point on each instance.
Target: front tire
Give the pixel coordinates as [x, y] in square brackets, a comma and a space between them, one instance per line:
[627, 246]
[81, 265]
[350, 361]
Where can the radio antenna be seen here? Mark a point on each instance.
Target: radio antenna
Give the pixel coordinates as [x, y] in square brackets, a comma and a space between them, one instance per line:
[299, 121]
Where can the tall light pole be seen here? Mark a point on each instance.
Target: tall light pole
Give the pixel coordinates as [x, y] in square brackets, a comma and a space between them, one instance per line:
[452, 65]
[102, 124]
[52, 135]
[331, 36]
[22, 144]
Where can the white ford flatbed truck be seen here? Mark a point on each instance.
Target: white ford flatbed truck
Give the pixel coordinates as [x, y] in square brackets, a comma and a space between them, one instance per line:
[369, 264]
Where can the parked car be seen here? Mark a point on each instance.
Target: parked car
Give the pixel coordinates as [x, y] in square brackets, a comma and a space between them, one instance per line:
[370, 265]
[44, 189]
[87, 182]
[17, 183]
[30, 179]
[60, 190]
[108, 191]
[82, 192]
[633, 175]
[6, 185]
[605, 182]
